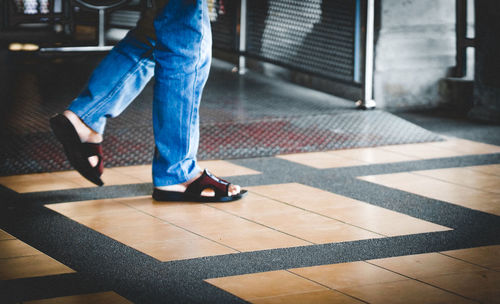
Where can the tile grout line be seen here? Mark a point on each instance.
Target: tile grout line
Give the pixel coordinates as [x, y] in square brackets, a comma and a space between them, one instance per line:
[469, 262]
[326, 286]
[417, 280]
[450, 182]
[175, 225]
[326, 216]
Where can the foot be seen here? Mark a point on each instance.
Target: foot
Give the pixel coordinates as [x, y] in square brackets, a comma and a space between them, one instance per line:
[233, 189]
[86, 134]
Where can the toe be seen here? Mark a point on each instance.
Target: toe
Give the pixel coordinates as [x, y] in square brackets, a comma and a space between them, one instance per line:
[234, 189]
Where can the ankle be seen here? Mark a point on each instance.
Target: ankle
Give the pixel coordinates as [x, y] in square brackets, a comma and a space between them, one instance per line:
[86, 134]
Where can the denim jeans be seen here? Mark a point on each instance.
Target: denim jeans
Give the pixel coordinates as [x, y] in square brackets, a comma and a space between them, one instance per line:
[172, 42]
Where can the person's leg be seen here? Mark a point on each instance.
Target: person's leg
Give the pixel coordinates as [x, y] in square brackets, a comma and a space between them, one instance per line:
[183, 57]
[115, 83]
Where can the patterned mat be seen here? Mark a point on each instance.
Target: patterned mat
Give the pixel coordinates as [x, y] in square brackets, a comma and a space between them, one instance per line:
[40, 152]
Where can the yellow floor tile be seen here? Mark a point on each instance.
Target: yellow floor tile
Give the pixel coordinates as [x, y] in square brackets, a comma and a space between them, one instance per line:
[314, 228]
[118, 219]
[31, 266]
[373, 155]
[254, 240]
[5, 236]
[345, 275]
[141, 172]
[406, 291]
[112, 176]
[37, 182]
[466, 146]
[225, 169]
[16, 248]
[94, 298]
[180, 249]
[429, 264]
[321, 160]
[488, 169]
[267, 284]
[350, 211]
[254, 206]
[486, 256]
[440, 190]
[89, 208]
[482, 286]
[475, 179]
[303, 196]
[147, 233]
[423, 151]
[317, 297]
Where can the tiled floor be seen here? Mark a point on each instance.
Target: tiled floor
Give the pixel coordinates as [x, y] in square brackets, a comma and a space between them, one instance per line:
[19, 260]
[95, 298]
[424, 278]
[286, 213]
[112, 176]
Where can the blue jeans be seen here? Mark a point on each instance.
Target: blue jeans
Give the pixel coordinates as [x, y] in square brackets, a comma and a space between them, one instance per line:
[172, 42]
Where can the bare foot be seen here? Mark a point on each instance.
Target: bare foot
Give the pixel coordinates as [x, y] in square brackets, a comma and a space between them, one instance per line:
[233, 189]
[87, 135]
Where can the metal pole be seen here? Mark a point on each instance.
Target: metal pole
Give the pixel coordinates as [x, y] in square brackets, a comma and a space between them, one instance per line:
[101, 27]
[367, 102]
[243, 37]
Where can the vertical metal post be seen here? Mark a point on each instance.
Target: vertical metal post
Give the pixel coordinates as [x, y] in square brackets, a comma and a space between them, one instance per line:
[101, 27]
[243, 37]
[367, 102]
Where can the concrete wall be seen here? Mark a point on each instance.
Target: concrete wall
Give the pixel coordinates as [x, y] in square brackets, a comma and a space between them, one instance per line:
[415, 49]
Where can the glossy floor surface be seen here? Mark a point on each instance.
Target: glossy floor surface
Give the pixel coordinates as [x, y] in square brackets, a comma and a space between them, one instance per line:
[390, 223]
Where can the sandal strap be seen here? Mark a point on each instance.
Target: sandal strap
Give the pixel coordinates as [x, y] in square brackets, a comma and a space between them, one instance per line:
[209, 181]
[94, 149]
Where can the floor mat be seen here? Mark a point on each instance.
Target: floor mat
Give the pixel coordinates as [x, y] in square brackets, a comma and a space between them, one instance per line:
[241, 117]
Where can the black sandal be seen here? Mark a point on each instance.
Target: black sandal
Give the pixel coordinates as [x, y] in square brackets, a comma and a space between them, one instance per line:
[194, 190]
[76, 151]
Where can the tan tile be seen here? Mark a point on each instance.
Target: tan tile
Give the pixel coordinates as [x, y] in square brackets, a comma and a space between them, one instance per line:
[16, 248]
[316, 297]
[406, 291]
[488, 169]
[225, 169]
[180, 249]
[303, 196]
[467, 146]
[140, 172]
[253, 240]
[428, 264]
[382, 221]
[36, 182]
[147, 233]
[218, 224]
[254, 206]
[30, 266]
[314, 228]
[482, 286]
[345, 275]
[94, 207]
[440, 190]
[265, 284]
[475, 179]
[5, 236]
[486, 256]
[423, 151]
[321, 160]
[373, 155]
[94, 298]
[119, 219]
